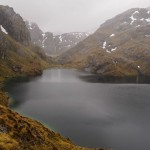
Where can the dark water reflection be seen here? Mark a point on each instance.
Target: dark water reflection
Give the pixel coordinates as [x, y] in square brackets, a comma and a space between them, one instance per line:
[90, 114]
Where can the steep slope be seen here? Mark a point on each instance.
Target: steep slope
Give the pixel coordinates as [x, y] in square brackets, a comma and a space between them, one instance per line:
[17, 59]
[17, 56]
[54, 44]
[35, 33]
[14, 25]
[120, 47]
[18, 132]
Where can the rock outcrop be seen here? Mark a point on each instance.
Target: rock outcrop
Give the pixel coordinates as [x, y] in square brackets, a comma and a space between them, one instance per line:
[13, 24]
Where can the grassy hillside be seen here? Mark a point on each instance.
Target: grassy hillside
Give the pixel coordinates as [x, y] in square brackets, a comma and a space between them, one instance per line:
[120, 47]
[18, 132]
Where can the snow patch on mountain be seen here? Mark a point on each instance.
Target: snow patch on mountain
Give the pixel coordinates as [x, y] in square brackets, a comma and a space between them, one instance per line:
[148, 20]
[112, 35]
[113, 49]
[3, 29]
[60, 38]
[43, 42]
[132, 17]
[43, 35]
[30, 26]
[147, 35]
[138, 26]
[104, 45]
[108, 51]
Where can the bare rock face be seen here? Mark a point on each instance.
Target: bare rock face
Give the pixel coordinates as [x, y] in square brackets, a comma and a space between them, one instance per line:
[3, 45]
[35, 33]
[120, 47]
[54, 44]
[12, 23]
[66, 41]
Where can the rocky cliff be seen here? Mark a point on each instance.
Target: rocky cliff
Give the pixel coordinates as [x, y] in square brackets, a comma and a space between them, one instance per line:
[12, 30]
[12, 23]
[120, 47]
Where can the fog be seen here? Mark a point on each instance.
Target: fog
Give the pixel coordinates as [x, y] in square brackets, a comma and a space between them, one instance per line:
[61, 16]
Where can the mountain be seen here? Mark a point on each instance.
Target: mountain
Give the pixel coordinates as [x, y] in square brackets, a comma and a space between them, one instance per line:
[17, 55]
[14, 25]
[120, 47]
[54, 44]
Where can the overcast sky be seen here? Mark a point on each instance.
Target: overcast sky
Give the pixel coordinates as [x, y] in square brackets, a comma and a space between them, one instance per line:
[71, 15]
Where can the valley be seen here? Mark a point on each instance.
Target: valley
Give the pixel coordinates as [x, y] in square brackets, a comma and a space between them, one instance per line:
[54, 45]
[88, 86]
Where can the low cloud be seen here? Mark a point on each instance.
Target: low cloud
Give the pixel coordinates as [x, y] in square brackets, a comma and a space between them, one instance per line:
[71, 15]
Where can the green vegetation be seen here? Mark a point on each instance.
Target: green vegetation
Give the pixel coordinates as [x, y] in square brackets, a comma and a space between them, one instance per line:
[18, 132]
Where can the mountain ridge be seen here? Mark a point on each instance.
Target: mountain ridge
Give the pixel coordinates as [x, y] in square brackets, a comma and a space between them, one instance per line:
[54, 44]
[117, 48]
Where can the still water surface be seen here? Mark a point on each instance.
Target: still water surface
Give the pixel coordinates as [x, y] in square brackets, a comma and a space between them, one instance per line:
[90, 114]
